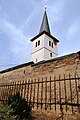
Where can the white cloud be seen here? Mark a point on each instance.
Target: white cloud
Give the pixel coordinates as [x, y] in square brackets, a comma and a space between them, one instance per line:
[70, 41]
[11, 30]
[19, 44]
[13, 33]
[28, 20]
[0, 8]
[56, 10]
[73, 29]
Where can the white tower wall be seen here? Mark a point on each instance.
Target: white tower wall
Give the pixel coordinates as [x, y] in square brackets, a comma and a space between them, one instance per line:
[43, 51]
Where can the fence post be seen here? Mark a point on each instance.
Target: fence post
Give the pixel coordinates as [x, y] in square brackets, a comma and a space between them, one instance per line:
[46, 94]
[65, 91]
[37, 94]
[42, 93]
[60, 92]
[28, 90]
[50, 93]
[34, 92]
[55, 91]
[31, 90]
[70, 90]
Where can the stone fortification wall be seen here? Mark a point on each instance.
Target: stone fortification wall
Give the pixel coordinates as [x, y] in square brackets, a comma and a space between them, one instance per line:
[61, 65]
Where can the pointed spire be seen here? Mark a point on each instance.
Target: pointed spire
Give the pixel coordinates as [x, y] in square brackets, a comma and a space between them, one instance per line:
[45, 24]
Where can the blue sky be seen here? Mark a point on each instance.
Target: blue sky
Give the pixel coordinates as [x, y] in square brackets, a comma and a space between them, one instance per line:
[20, 21]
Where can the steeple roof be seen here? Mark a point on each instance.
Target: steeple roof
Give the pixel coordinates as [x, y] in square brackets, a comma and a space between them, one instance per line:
[44, 29]
[45, 24]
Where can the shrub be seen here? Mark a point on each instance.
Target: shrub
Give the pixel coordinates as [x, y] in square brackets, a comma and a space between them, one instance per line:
[17, 108]
[5, 113]
[21, 108]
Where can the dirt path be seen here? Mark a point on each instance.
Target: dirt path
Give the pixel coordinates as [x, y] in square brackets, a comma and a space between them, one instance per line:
[50, 115]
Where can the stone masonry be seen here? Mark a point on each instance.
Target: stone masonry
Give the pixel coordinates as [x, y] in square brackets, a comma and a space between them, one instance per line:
[65, 65]
[55, 67]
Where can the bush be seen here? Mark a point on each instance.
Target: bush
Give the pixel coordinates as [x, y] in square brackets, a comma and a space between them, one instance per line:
[5, 113]
[16, 108]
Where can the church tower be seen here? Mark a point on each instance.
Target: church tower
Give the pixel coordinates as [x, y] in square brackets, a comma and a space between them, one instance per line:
[44, 45]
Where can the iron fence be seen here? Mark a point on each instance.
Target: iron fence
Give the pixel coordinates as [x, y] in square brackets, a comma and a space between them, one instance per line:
[55, 93]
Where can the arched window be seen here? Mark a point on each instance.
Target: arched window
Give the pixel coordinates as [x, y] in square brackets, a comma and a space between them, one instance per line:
[50, 54]
[36, 59]
[52, 44]
[38, 42]
[49, 43]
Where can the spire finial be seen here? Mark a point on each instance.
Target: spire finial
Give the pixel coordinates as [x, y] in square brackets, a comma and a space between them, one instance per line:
[45, 7]
[45, 4]
[45, 23]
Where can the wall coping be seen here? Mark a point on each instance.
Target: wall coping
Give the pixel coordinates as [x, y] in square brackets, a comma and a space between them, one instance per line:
[39, 63]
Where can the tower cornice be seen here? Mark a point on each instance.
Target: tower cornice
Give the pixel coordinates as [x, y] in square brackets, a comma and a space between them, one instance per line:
[44, 32]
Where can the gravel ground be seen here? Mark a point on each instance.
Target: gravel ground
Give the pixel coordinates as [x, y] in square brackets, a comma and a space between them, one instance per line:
[50, 115]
